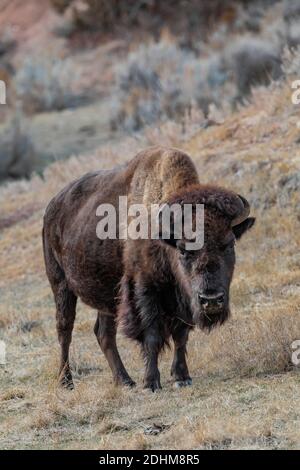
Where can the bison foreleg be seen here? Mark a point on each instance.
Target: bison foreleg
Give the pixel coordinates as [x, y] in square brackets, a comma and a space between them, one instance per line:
[179, 369]
[152, 345]
[105, 331]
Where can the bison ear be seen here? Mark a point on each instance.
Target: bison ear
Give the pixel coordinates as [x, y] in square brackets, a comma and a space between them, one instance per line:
[169, 241]
[168, 237]
[166, 233]
[241, 228]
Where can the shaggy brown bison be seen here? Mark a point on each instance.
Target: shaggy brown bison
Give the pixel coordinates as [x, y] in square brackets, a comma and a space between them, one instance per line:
[155, 288]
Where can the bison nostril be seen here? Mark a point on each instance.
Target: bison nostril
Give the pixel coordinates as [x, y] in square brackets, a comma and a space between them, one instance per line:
[212, 300]
[220, 299]
[203, 300]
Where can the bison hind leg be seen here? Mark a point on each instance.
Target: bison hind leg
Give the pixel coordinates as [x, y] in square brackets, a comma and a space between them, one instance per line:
[105, 331]
[65, 301]
[65, 317]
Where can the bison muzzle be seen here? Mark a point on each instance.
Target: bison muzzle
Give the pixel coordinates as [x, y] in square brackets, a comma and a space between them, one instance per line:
[155, 289]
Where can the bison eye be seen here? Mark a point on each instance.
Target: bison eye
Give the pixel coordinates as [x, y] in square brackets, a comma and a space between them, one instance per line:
[186, 254]
[228, 246]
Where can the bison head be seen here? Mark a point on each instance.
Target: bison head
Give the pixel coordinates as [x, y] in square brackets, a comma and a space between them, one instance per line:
[206, 273]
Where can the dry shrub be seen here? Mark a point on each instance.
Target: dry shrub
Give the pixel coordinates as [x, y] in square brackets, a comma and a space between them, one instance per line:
[60, 5]
[7, 41]
[259, 343]
[109, 15]
[213, 433]
[161, 80]
[18, 216]
[17, 152]
[138, 442]
[254, 62]
[12, 394]
[41, 419]
[291, 10]
[49, 84]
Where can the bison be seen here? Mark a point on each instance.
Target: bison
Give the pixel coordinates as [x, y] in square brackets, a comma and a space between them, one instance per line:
[155, 289]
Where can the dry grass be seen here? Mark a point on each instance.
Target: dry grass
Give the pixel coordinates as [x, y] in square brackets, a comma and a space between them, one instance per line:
[245, 392]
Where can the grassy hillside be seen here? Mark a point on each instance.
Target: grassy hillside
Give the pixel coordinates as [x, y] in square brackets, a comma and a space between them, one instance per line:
[246, 391]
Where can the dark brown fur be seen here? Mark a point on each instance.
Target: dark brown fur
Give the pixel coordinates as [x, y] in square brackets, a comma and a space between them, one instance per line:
[151, 286]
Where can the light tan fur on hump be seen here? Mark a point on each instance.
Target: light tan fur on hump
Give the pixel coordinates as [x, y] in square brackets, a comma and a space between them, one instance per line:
[160, 173]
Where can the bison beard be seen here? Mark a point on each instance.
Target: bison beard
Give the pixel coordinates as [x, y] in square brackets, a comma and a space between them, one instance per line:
[134, 315]
[207, 323]
[157, 290]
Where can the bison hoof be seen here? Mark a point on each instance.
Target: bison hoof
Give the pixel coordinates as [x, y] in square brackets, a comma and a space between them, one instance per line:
[153, 385]
[183, 383]
[67, 383]
[129, 383]
[125, 381]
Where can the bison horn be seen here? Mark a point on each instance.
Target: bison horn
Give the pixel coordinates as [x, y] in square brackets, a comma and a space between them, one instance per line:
[242, 213]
